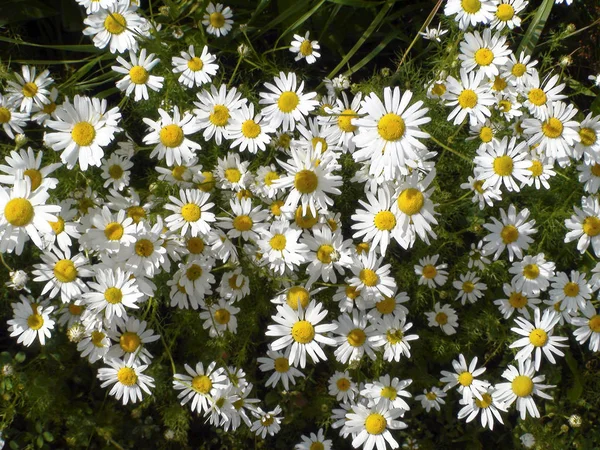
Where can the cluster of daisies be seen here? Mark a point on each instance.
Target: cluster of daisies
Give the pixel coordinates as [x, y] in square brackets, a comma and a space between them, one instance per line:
[100, 251]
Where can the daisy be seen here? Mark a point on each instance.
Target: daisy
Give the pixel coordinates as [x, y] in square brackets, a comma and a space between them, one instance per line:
[267, 423]
[18, 280]
[113, 291]
[519, 72]
[433, 34]
[444, 317]
[305, 48]
[523, 384]
[199, 385]
[390, 389]
[506, 16]
[388, 136]
[516, 300]
[115, 170]
[26, 163]
[589, 145]
[342, 387]
[181, 175]
[538, 337]
[503, 163]
[356, 336]
[573, 292]
[316, 135]
[488, 405]
[314, 442]
[93, 6]
[348, 297]
[130, 338]
[286, 103]
[219, 318]
[245, 221]
[29, 89]
[94, 345]
[118, 26]
[539, 98]
[584, 225]
[31, 320]
[299, 330]
[283, 371]
[470, 98]
[217, 19]
[280, 247]
[541, 171]
[215, 109]
[195, 70]
[589, 176]
[110, 232]
[464, 376]
[484, 52]
[432, 398]
[191, 212]
[371, 279]
[470, 12]
[339, 118]
[148, 254]
[137, 75]
[476, 258]
[328, 253]
[588, 327]
[469, 288]
[431, 274]
[371, 426]
[10, 119]
[234, 285]
[128, 379]
[512, 233]
[197, 278]
[389, 306]
[82, 131]
[249, 131]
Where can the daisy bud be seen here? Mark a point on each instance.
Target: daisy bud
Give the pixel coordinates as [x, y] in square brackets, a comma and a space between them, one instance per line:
[18, 280]
[177, 33]
[164, 10]
[565, 60]
[575, 421]
[571, 28]
[7, 370]
[169, 435]
[564, 428]
[243, 50]
[20, 140]
[386, 72]
[76, 333]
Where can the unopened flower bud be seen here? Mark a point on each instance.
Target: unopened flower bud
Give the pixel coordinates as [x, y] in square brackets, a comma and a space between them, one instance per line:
[575, 421]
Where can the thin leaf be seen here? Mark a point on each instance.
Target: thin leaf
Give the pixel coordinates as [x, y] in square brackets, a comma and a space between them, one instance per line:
[533, 33]
[289, 12]
[83, 48]
[301, 20]
[357, 3]
[373, 53]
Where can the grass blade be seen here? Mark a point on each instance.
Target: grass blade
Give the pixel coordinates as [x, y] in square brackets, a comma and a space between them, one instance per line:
[532, 35]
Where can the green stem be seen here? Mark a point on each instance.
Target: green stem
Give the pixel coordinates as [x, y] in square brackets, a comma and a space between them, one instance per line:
[235, 70]
[445, 147]
[4, 263]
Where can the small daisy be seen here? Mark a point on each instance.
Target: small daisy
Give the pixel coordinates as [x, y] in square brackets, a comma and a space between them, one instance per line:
[130, 338]
[356, 336]
[340, 117]
[476, 258]
[348, 297]
[464, 376]
[28, 164]
[391, 334]
[512, 233]
[589, 176]
[314, 442]
[342, 387]
[199, 385]
[113, 291]
[390, 389]
[128, 379]
[370, 426]
[432, 398]
[110, 232]
[589, 146]
[94, 345]
[444, 317]
[470, 12]
[484, 52]
[148, 254]
[305, 48]
[195, 70]
[280, 247]
[249, 131]
[215, 109]
[519, 72]
[234, 285]
[371, 279]
[217, 19]
[219, 318]
[584, 225]
[197, 279]
[328, 253]
[516, 300]
[267, 423]
[528, 440]
[481, 195]
[573, 292]
[433, 34]
[588, 327]
[137, 75]
[503, 163]
[539, 98]
[40, 114]
[245, 221]
[191, 212]
[11, 120]
[431, 274]
[541, 171]
[469, 288]
[29, 89]
[115, 170]
[488, 405]
[31, 320]
[282, 370]
[506, 16]
[470, 98]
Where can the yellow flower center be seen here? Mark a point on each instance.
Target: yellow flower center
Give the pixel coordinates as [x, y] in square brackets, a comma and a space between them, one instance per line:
[5, 115]
[478, 186]
[242, 223]
[222, 316]
[485, 402]
[384, 220]
[144, 248]
[537, 168]
[288, 101]
[595, 170]
[276, 207]
[531, 271]
[484, 56]
[356, 337]
[282, 365]
[114, 231]
[319, 140]
[35, 321]
[217, 19]
[518, 70]
[250, 129]
[538, 337]
[191, 212]
[267, 420]
[96, 338]
[324, 253]
[587, 135]
[431, 396]
[465, 378]
[306, 181]
[505, 12]
[517, 300]
[83, 134]
[522, 386]
[345, 121]
[115, 171]
[127, 376]
[316, 446]
[19, 212]
[499, 84]
[536, 96]
[138, 75]
[129, 341]
[193, 272]
[202, 384]
[75, 310]
[467, 99]
[411, 201]
[503, 165]
[278, 242]
[233, 175]
[343, 384]
[441, 318]
[429, 271]
[115, 23]
[195, 64]
[352, 292]
[509, 234]
[48, 109]
[505, 105]
[219, 116]
[369, 277]
[552, 128]
[305, 221]
[394, 336]
[306, 48]
[209, 182]
[362, 247]
[303, 332]
[486, 134]
[270, 177]
[171, 136]
[30, 89]
[391, 127]
[297, 295]
[591, 226]
[571, 289]
[65, 271]
[178, 172]
[113, 295]
[594, 323]
[375, 423]
[136, 213]
[195, 245]
[389, 392]
[386, 306]
[438, 89]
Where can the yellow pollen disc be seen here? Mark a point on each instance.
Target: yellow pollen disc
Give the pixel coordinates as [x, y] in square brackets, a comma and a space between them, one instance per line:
[571, 289]
[384, 220]
[591, 226]
[503, 165]
[468, 287]
[429, 271]
[171, 136]
[522, 386]
[114, 231]
[127, 376]
[499, 83]
[595, 169]
[5, 115]
[297, 295]
[363, 247]
[368, 277]
[250, 129]
[505, 105]
[202, 384]
[193, 272]
[587, 135]
[438, 89]
[266, 421]
[288, 101]
[316, 446]
[345, 121]
[276, 207]
[83, 134]
[243, 193]
[270, 177]
[356, 337]
[284, 140]
[531, 271]
[217, 19]
[30, 89]
[191, 212]
[394, 336]
[35, 321]
[537, 96]
[19, 212]
[282, 365]
[115, 171]
[343, 384]
[509, 234]
[137, 213]
[75, 310]
[486, 134]
[352, 292]
[113, 295]
[431, 396]
[115, 23]
[391, 127]
[233, 175]
[48, 109]
[552, 128]
[467, 99]
[144, 248]
[386, 306]
[303, 332]
[138, 75]
[278, 242]
[375, 423]
[305, 221]
[324, 253]
[209, 182]
[517, 300]
[35, 176]
[195, 64]
[538, 337]
[319, 140]
[222, 316]
[389, 392]
[65, 271]
[441, 318]
[505, 12]
[485, 402]
[537, 168]
[242, 223]
[129, 341]
[411, 201]
[478, 186]
[178, 172]
[306, 48]
[97, 337]
[484, 56]
[306, 181]
[332, 224]
[465, 378]
[594, 323]
[181, 288]
[518, 70]
[219, 116]
[195, 245]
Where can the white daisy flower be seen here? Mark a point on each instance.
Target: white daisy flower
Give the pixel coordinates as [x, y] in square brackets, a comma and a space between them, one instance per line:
[93, 6]
[519, 72]
[339, 117]
[512, 233]
[391, 335]
[314, 442]
[219, 318]
[470, 97]
[148, 254]
[370, 426]
[390, 389]
[328, 253]
[267, 423]
[444, 317]
[516, 300]
[127, 378]
[589, 176]
[195, 70]
[191, 212]
[391, 306]
[217, 19]
[282, 370]
[26, 163]
[110, 232]
[94, 345]
[137, 75]
[589, 145]
[29, 89]
[232, 172]
[245, 221]
[40, 114]
[305, 48]
[234, 285]
[506, 16]
[532, 274]
[316, 135]
[348, 297]
[215, 109]
[113, 292]
[11, 120]
[584, 225]
[470, 12]
[484, 52]
[588, 327]
[540, 97]
[355, 337]
[480, 194]
[115, 170]
[371, 278]
[541, 171]
[197, 278]
[469, 288]
[31, 320]
[476, 258]
[503, 163]
[432, 398]
[130, 338]
[280, 247]
[342, 387]
[431, 273]
[200, 385]
[488, 405]
[433, 34]
[464, 376]
[249, 131]
[573, 292]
